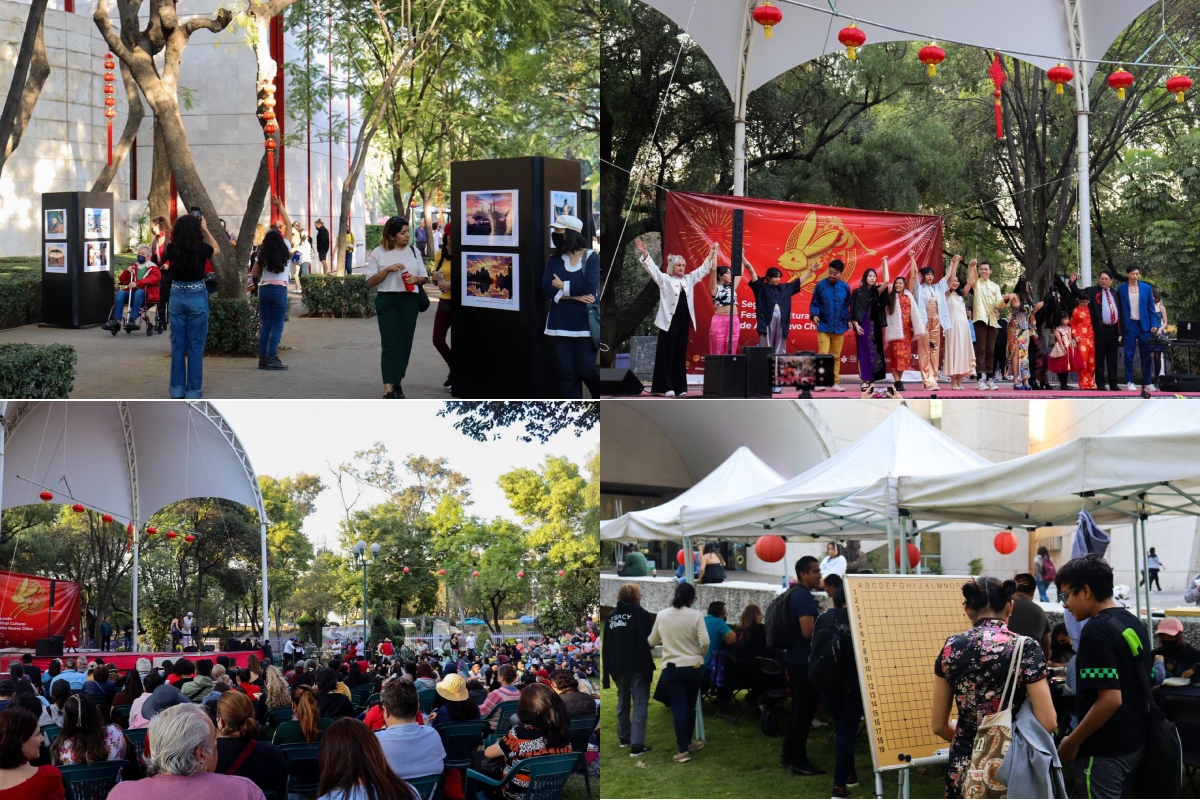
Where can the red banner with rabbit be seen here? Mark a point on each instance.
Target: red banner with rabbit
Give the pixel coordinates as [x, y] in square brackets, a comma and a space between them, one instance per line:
[27, 612]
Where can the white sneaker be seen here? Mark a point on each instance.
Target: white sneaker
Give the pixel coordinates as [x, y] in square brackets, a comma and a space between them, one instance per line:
[818, 723]
[1150, 387]
[670, 393]
[837, 387]
[1131, 387]
[818, 388]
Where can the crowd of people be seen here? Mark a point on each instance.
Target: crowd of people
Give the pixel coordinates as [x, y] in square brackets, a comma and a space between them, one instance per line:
[216, 729]
[963, 328]
[1090, 693]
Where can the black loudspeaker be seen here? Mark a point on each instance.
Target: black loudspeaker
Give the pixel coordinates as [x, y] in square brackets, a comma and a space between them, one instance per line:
[53, 585]
[735, 257]
[725, 376]
[758, 370]
[233, 645]
[1179, 383]
[49, 648]
[192, 649]
[620, 383]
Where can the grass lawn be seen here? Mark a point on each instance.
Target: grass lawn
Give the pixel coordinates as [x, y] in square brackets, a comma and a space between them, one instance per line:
[737, 761]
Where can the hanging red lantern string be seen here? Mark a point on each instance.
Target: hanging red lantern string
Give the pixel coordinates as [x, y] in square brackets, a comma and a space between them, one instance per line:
[1178, 84]
[78, 508]
[106, 519]
[931, 55]
[852, 38]
[129, 537]
[1060, 75]
[171, 534]
[768, 16]
[996, 73]
[1005, 542]
[1120, 80]
[189, 538]
[151, 531]
[110, 102]
[269, 129]
[46, 497]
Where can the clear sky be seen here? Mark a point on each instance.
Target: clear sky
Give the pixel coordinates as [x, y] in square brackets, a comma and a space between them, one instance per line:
[291, 436]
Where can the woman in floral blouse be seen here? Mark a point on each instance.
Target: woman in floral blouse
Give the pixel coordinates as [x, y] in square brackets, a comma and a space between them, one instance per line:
[972, 669]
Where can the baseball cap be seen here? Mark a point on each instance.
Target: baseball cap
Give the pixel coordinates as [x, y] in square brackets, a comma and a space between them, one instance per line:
[1169, 625]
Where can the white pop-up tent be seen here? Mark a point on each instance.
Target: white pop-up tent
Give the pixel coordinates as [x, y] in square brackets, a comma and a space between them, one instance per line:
[814, 504]
[126, 459]
[1041, 32]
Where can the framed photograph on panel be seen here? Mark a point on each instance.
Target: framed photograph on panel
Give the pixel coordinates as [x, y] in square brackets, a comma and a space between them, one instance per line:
[96, 257]
[97, 223]
[490, 219]
[56, 257]
[490, 280]
[564, 203]
[56, 223]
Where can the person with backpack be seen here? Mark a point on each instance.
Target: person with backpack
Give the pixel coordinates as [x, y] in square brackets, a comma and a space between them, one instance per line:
[790, 621]
[832, 669]
[683, 635]
[627, 658]
[398, 272]
[973, 669]
[1044, 572]
[1113, 696]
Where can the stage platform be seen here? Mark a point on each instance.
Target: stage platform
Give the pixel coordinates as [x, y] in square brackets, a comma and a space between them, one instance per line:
[127, 661]
[914, 391]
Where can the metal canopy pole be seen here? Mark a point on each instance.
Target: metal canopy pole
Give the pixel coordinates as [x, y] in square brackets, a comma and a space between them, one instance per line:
[739, 100]
[1146, 578]
[1074, 10]
[891, 564]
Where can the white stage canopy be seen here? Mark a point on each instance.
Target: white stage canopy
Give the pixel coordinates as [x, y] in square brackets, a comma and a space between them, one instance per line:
[1165, 415]
[814, 503]
[125, 458]
[742, 474]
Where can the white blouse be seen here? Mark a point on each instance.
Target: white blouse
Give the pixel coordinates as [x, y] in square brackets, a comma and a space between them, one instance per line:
[380, 259]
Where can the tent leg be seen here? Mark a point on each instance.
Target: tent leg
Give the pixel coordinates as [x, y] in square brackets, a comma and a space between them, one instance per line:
[1146, 578]
[688, 561]
[891, 565]
[698, 733]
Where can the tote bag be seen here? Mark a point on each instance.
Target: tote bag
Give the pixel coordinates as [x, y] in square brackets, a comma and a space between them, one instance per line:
[993, 738]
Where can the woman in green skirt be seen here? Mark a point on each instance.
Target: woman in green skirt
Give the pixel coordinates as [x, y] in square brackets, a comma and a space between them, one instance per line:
[397, 270]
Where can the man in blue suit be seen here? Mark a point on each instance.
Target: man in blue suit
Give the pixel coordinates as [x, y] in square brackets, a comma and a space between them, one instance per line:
[1139, 322]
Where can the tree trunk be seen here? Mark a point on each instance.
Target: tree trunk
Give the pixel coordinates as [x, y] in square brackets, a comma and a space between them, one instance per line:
[134, 122]
[160, 177]
[30, 75]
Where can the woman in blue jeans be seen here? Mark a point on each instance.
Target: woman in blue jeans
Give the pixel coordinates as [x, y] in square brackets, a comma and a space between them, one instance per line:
[271, 270]
[683, 635]
[188, 253]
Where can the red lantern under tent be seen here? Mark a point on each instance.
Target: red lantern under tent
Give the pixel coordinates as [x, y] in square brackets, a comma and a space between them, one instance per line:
[46, 497]
[475, 574]
[1005, 542]
[770, 548]
[853, 38]
[931, 55]
[768, 16]
[1120, 80]
[521, 574]
[406, 570]
[78, 508]
[914, 555]
[106, 519]
[441, 572]
[151, 531]
[189, 538]
[562, 573]
[1060, 75]
[171, 534]
[1177, 85]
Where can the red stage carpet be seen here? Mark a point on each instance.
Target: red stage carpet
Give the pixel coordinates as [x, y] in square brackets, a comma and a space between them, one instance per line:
[127, 661]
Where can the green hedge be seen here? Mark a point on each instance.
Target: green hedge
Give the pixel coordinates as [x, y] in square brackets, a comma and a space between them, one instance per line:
[37, 372]
[233, 326]
[333, 296]
[20, 298]
[374, 237]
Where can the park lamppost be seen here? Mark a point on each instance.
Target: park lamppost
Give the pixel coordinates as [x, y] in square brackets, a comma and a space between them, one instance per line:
[360, 559]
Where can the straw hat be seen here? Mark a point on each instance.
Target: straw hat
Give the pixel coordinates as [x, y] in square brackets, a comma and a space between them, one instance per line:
[453, 687]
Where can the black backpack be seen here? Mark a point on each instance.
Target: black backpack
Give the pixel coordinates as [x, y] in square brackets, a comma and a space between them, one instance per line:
[831, 657]
[782, 631]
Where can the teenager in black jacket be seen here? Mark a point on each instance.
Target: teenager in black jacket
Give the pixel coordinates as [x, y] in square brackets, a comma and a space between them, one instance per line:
[627, 659]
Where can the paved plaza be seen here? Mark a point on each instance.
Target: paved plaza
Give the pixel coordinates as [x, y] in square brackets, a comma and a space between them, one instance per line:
[327, 358]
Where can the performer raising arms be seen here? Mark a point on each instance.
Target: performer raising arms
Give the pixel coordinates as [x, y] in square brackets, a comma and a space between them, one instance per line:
[723, 288]
[905, 323]
[773, 305]
[931, 297]
[958, 352]
[674, 317]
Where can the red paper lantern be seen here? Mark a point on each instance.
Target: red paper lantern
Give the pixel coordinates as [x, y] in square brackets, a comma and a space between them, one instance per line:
[931, 55]
[78, 508]
[1005, 542]
[151, 531]
[171, 534]
[1120, 80]
[679, 557]
[189, 538]
[853, 38]
[106, 519]
[270, 145]
[914, 555]
[767, 15]
[406, 570]
[770, 548]
[46, 497]
[562, 572]
[1178, 84]
[521, 574]
[475, 574]
[1060, 75]
[441, 572]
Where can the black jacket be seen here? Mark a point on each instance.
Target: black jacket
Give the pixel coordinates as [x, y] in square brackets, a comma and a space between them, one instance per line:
[626, 648]
[1092, 295]
[322, 240]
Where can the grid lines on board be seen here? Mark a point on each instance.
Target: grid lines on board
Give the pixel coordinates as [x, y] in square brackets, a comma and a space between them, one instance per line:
[900, 624]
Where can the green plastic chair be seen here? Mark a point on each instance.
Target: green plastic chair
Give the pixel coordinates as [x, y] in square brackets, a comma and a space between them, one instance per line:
[547, 777]
[504, 721]
[304, 771]
[581, 733]
[426, 786]
[425, 698]
[90, 781]
[373, 699]
[51, 732]
[137, 740]
[360, 693]
[120, 715]
[277, 716]
[461, 739]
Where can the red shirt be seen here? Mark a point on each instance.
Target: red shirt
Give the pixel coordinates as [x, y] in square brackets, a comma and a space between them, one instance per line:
[45, 784]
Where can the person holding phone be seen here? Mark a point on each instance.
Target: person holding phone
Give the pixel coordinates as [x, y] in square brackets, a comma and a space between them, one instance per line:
[397, 270]
[189, 252]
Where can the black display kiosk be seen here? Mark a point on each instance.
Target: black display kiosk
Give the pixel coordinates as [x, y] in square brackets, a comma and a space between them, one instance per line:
[77, 258]
[501, 215]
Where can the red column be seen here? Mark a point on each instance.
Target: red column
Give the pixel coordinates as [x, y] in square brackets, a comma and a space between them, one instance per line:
[69, 6]
[308, 150]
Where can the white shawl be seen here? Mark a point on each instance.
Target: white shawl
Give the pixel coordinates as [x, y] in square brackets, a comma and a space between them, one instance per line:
[895, 322]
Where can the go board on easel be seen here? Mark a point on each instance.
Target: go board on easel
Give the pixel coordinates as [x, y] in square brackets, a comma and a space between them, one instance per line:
[900, 624]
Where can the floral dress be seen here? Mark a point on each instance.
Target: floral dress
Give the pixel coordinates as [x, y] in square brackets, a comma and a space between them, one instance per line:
[1020, 331]
[975, 664]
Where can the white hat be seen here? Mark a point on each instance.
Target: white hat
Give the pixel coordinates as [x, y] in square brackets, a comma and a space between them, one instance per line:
[567, 222]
